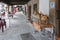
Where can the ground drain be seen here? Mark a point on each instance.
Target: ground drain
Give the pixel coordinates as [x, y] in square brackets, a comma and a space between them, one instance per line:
[27, 36]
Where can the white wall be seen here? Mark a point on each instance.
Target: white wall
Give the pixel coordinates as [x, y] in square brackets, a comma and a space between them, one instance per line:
[44, 7]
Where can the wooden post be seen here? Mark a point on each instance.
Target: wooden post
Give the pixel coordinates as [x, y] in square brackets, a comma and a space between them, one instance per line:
[8, 9]
[25, 10]
[57, 20]
[29, 15]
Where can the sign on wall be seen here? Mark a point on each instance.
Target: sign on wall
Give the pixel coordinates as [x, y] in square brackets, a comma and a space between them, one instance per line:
[52, 4]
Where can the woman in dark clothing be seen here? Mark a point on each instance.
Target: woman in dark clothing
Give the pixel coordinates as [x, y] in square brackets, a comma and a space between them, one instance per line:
[0, 23]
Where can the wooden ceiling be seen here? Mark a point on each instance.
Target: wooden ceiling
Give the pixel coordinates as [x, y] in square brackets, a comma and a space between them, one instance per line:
[15, 2]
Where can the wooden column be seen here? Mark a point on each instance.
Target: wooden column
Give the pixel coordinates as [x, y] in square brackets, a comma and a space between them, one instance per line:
[8, 8]
[25, 10]
[29, 15]
[57, 19]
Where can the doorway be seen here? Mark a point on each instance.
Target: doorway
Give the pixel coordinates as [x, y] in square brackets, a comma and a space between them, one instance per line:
[35, 9]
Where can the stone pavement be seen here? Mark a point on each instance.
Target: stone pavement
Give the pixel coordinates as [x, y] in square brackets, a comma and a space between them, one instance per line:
[20, 25]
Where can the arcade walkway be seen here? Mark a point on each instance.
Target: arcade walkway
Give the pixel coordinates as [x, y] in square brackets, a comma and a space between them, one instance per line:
[20, 25]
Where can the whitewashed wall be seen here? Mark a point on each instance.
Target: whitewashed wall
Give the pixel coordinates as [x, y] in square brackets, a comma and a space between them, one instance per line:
[44, 6]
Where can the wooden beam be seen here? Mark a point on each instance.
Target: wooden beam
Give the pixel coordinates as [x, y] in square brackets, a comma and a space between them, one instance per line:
[17, 3]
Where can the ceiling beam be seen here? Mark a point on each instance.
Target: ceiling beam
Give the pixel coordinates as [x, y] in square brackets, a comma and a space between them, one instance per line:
[15, 2]
[18, 3]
